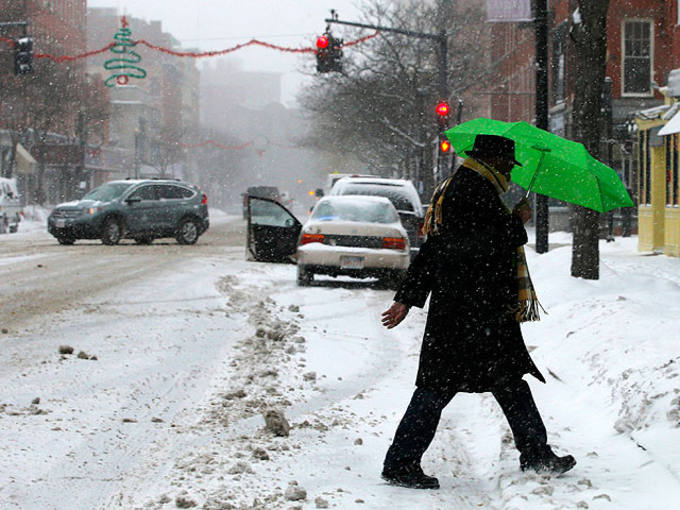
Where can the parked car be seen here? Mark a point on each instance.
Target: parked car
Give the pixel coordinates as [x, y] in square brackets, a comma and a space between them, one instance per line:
[400, 192]
[335, 177]
[142, 210]
[345, 235]
[11, 211]
[261, 192]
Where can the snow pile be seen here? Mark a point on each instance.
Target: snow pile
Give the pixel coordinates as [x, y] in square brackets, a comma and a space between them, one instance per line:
[34, 219]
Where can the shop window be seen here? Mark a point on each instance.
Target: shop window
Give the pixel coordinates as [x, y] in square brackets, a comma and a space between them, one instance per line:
[645, 180]
[637, 57]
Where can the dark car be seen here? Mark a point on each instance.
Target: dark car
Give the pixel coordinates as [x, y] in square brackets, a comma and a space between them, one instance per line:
[400, 192]
[271, 192]
[142, 210]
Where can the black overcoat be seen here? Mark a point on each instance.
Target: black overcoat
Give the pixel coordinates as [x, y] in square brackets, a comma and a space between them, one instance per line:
[472, 341]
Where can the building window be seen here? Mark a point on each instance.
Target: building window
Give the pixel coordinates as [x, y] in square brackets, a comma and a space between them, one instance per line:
[559, 78]
[637, 57]
[672, 170]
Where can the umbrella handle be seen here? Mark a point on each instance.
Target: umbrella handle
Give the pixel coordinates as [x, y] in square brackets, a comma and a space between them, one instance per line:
[542, 151]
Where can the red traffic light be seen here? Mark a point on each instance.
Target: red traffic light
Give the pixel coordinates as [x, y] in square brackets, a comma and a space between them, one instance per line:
[443, 108]
[445, 146]
[322, 42]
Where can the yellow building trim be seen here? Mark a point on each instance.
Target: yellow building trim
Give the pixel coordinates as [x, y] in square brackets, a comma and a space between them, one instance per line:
[645, 228]
[658, 195]
[658, 222]
[646, 125]
[672, 231]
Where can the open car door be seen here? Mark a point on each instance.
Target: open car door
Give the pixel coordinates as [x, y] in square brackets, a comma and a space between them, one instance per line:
[273, 231]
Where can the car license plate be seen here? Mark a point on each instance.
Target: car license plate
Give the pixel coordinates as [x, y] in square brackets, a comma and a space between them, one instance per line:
[351, 262]
[60, 223]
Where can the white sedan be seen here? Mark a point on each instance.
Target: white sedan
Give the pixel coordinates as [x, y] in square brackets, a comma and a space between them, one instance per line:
[359, 236]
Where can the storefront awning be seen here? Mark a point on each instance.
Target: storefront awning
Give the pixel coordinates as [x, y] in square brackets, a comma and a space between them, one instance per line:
[25, 162]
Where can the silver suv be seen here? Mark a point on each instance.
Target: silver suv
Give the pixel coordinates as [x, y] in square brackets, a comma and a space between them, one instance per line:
[142, 210]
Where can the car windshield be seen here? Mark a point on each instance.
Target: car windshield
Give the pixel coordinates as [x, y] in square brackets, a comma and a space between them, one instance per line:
[396, 194]
[361, 211]
[107, 192]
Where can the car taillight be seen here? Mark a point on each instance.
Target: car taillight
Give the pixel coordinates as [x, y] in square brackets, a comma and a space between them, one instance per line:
[394, 243]
[204, 200]
[311, 238]
[421, 230]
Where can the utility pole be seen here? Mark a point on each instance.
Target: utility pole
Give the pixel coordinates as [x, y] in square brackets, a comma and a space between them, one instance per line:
[79, 178]
[541, 31]
[441, 39]
[140, 142]
[608, 129]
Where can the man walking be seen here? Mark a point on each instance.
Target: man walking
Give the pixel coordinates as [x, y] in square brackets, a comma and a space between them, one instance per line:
[474, 267]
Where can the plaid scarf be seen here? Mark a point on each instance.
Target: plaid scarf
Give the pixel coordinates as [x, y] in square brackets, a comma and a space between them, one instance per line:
[527, 308]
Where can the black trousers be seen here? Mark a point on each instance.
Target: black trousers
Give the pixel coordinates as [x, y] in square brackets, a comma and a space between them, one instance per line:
[419, 424]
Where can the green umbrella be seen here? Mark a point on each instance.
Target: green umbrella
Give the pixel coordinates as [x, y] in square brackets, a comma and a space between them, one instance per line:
[552, 165]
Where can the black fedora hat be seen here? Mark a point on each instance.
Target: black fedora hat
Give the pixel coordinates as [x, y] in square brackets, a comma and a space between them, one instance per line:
[494, 145]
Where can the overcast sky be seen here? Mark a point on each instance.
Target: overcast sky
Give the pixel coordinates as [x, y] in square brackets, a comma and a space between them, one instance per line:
[219, 24]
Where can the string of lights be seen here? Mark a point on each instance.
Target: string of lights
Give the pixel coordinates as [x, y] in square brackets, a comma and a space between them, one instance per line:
[126, 41]
[190, 54]
[70, 58]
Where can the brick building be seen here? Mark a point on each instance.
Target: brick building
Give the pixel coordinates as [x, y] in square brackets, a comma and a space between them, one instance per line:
[640, 54]
[657, 142]
[31, 108]
[642, 47]
[147, 115]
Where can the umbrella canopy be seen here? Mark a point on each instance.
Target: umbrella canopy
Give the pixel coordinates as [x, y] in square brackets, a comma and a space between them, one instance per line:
[552, 165]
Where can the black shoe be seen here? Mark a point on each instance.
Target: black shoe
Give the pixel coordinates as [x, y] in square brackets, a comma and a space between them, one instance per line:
[545, 461]
[410, 477]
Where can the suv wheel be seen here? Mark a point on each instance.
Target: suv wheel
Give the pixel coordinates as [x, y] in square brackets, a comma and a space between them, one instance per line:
[187, 232]
[66, 240]
[304, 276]
[112, 231]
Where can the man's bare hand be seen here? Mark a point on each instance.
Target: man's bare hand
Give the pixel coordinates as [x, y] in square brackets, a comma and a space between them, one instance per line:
[394, 315]
[523, 210]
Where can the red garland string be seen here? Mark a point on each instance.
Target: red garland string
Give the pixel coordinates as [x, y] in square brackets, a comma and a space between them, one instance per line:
[69, 58]
[7, 40]
[192, 54]
[225, 51]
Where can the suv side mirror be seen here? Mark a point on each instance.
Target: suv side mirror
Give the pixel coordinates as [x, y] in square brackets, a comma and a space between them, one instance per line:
[133, 200]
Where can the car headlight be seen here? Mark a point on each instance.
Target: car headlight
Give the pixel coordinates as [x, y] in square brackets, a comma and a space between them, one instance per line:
[91, 210]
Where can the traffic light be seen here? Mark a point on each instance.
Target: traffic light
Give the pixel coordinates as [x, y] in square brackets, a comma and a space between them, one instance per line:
[444, 146]
[443, 114]
[23, 56]
[328, 54]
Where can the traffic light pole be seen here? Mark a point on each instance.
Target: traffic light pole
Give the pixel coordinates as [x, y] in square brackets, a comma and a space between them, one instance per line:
[541, 27]
[440, 38]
